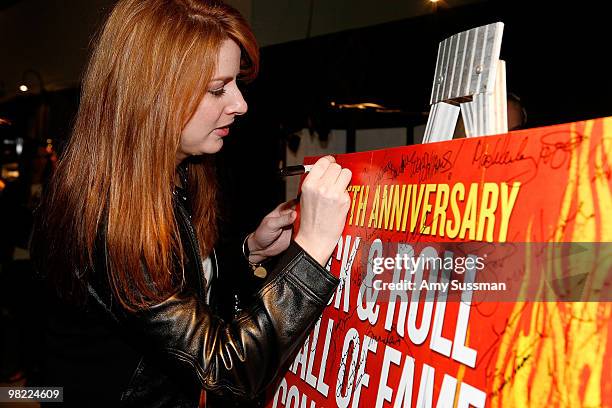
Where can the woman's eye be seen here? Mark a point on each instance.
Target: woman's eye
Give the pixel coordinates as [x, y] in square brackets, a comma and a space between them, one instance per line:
[217, 92]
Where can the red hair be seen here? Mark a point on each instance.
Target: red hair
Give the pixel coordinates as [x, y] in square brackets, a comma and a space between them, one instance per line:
[147, 74]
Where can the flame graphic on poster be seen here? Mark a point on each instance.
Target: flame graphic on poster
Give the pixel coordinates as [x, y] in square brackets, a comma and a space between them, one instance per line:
[554, 353]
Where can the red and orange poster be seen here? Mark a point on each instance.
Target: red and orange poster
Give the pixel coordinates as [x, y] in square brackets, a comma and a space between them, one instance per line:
[474, 273]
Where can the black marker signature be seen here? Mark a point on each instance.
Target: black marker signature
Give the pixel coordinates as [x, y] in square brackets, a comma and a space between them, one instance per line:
[555, 151]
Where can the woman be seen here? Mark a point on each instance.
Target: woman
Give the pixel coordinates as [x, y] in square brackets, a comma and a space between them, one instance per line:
[128, 225]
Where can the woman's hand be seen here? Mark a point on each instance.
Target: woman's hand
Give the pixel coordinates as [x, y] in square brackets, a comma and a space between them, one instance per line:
[273, 234]
[324, 204]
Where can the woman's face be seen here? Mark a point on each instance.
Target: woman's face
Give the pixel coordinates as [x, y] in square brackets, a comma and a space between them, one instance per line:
[205, 130]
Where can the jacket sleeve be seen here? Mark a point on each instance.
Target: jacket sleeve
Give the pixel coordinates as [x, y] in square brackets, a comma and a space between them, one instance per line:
[245, 355]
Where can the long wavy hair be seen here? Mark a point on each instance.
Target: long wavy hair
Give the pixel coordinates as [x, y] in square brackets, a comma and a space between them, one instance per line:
[147, 74]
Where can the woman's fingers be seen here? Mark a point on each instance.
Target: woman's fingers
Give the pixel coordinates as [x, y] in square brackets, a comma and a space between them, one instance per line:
[287, 205]
[344, 178]
[319, 168]
[284, 219]
[331, 174]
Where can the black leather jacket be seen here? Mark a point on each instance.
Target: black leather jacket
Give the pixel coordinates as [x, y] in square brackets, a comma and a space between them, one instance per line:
[177, 347]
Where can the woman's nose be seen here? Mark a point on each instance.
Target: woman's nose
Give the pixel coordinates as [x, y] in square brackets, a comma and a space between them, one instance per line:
[238, 105]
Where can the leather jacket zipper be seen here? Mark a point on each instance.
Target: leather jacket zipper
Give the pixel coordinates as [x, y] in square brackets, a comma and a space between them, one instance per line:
[194, 245]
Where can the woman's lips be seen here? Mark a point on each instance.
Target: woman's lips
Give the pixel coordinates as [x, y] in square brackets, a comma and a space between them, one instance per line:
[222, 131]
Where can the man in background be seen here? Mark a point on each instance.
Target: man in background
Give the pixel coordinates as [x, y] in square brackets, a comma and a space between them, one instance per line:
[517, 115]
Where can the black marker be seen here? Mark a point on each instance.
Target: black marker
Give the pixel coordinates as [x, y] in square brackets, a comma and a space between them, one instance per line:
[294, 170]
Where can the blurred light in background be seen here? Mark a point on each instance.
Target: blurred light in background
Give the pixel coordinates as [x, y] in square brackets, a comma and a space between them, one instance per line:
[10, 171]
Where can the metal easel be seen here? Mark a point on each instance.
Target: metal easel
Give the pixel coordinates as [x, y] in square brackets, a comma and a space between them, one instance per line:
[471, 79]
